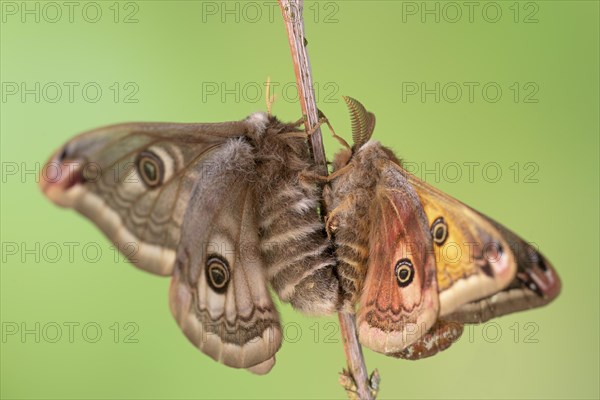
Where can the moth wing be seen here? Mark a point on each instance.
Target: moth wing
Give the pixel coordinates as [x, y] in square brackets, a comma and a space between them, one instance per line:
[397, 307]
[97, 173]
[535, 284]
[200, 206]
[477, 260]
[218, 293]
[439, 338]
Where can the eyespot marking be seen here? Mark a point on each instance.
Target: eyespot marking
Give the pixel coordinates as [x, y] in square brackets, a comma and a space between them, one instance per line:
[439, 231]
[63, 154]
[537, 259]
[405, 272]
[150, 168]
[542, 264]
[217, 273]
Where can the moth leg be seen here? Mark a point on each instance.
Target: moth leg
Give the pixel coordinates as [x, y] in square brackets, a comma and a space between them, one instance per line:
[340, 139]
[346, 168]
[330, 223]
[310, 176]
[299, 122]
[301, 135]
[303, 121]
[304, 135]
[316, 127]
[322, 120]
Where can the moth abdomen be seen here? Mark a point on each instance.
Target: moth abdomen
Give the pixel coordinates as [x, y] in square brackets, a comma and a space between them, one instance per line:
[298, 255]
[352, 255]
[349, 224]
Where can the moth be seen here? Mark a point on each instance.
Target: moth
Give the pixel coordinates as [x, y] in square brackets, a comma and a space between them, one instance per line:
[228, 209]
[418, 263]
[220, 207]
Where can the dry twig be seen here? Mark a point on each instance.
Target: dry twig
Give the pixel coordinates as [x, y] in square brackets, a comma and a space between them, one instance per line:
[355, 380]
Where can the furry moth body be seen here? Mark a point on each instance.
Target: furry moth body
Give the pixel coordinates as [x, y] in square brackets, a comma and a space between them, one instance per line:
[220, 207]
[391, 231]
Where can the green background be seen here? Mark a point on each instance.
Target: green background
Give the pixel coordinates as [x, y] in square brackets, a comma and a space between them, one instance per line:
[174, 52]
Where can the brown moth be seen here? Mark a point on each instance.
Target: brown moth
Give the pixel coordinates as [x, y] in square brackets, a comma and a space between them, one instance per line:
[391, 230]
[221, 208]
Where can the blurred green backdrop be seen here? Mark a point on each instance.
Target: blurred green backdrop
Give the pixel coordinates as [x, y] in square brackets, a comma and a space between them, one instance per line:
[463, 91]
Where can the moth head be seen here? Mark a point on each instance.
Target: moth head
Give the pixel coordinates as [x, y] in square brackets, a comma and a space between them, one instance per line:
[257, 123]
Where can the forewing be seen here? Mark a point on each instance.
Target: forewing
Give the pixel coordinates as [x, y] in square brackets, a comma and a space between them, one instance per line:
[535, 284]
[483, 269]
[399, 300]
[98, 174]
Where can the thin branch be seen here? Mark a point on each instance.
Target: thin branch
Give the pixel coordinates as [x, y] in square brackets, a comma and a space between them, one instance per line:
[294, 23]
[355, 380]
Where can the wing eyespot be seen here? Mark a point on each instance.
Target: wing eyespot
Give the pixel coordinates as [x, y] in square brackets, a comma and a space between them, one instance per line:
[405, 272]
[63, 155]
[439, 231]
[150, 168]
[217, 273]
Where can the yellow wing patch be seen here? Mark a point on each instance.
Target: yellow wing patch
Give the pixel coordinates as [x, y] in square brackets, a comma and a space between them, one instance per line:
[473, 259]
